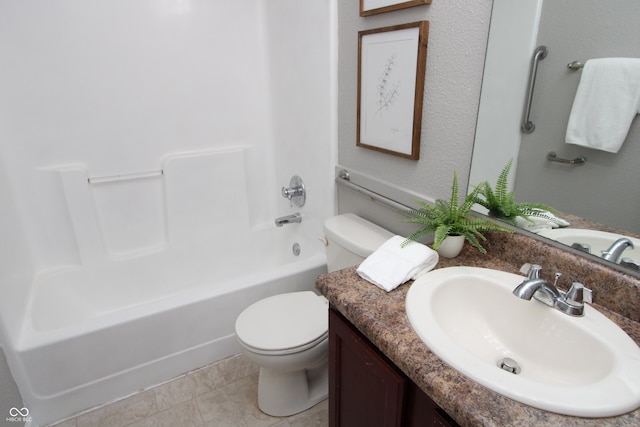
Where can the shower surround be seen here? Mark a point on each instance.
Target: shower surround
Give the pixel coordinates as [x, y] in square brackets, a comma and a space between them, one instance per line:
[143, 146]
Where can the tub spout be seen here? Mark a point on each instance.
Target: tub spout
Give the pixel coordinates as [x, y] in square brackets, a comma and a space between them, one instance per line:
[288, 219]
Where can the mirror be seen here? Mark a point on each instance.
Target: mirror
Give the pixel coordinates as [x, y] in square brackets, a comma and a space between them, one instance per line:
[603, 193]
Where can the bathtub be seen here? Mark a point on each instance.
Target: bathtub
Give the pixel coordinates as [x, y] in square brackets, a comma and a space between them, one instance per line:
[98, 332]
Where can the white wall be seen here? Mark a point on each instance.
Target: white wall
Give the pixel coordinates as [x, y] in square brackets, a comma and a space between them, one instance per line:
[303, 97]
[115, 86]
[107, 87]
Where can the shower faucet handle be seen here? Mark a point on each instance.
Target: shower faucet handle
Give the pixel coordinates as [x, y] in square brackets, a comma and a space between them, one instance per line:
[295, 192]
[290, 193]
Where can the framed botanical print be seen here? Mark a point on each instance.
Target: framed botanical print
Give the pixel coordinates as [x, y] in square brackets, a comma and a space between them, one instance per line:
[391, 76]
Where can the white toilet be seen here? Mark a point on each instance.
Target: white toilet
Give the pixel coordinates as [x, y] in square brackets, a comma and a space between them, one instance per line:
[287, 334]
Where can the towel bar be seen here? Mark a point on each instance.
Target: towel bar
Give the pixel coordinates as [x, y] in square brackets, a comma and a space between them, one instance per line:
[552, 157]
[139, 175]
[343, 179]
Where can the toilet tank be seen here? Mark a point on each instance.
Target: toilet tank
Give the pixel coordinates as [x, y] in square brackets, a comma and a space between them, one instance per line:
[351, 239]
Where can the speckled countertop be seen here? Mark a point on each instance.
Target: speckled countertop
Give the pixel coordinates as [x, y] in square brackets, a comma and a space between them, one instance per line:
[382, 318]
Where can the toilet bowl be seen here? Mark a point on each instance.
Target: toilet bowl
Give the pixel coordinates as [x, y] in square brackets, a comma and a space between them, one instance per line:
[287, 334]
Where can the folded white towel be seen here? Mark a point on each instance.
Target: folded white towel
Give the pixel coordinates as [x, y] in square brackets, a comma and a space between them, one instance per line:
[541, 223]
[607, 100]
[392, 265]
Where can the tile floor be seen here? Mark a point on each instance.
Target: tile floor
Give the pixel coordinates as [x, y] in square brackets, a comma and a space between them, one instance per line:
[223, 394]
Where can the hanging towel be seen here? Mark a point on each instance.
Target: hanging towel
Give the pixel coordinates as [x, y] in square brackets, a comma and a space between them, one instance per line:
[607, 100]
[392, 265]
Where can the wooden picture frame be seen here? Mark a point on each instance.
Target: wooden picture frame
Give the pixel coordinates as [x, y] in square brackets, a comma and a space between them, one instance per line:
[372, 7]
[391, 76]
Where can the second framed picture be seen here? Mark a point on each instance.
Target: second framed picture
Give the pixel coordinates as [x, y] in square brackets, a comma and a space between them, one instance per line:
[372, 7]
[391, 76]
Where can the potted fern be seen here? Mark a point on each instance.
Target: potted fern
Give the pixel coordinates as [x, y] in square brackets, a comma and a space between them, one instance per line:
[501, 203]
[450, 220]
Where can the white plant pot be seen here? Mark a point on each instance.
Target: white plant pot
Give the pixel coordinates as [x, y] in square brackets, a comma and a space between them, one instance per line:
[451, 246]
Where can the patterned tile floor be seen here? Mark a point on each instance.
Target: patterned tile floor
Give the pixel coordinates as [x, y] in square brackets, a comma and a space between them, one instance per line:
[220, 395]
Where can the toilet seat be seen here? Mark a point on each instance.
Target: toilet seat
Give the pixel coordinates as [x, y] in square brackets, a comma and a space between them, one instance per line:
[284, 324]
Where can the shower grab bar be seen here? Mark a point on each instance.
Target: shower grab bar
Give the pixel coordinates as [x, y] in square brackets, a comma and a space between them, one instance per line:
[540, 53]
[575, 65]
[552, 157]
[343, 179]
[124, 177]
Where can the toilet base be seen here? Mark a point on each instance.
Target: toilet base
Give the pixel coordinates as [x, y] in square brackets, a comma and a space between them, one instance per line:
[281, 394]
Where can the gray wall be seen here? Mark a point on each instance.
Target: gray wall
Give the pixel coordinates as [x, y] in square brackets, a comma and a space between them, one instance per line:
[455, 61]
[606, 188]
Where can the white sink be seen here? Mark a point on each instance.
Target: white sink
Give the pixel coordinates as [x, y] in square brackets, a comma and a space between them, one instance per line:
[582, 366]
[598, 240]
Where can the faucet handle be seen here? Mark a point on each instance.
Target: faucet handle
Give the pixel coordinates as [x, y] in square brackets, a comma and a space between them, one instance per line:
[629, 263]
[531, 270]
[578, 294]
[295, 193]
[287, 193]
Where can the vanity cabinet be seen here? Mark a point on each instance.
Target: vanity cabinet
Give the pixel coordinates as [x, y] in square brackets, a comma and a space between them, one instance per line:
[367, 389]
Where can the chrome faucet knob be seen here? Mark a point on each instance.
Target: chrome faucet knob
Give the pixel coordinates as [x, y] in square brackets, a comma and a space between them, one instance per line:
[531, 270]
[288, 194]
[295, 193]
[534, 272]
[629, 263]
[578, 294]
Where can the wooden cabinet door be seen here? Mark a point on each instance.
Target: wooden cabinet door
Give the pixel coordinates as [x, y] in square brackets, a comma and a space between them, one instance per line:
[365, 388]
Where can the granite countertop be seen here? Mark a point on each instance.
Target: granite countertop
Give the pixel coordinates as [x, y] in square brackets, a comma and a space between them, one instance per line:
[382, 318]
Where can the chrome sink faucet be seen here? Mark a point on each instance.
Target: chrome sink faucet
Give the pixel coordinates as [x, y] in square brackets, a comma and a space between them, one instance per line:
[571, 303]
[614, 251]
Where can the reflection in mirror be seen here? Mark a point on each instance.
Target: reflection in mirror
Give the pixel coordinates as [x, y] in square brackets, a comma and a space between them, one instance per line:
[599, 194]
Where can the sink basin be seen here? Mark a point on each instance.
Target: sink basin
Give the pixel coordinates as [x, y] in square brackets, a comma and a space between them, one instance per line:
[582, 366]
[598, 240]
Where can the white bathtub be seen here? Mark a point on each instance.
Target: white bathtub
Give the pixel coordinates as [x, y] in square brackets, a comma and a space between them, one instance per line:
[99, 332]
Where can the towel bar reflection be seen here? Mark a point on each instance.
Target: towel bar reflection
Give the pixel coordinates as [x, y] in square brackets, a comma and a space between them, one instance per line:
[552, 157]
[575, 65]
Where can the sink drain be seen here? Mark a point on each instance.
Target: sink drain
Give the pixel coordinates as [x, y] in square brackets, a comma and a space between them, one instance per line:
[509, 365]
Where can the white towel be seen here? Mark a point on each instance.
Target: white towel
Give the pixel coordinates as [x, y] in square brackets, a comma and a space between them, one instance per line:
[607, 100]
[392, 265]
[541, 223]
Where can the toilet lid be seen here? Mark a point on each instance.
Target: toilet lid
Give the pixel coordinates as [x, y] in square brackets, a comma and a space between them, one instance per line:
[283, 322]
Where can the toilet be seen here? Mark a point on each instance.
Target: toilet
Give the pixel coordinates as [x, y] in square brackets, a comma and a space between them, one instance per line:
[287, 334]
